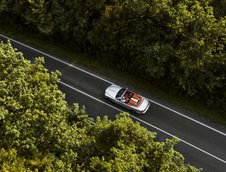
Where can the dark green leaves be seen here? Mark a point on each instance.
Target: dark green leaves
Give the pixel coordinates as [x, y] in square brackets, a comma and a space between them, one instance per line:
[179, 42]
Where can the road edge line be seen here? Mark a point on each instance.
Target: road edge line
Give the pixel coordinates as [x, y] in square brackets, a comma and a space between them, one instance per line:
[151, 125]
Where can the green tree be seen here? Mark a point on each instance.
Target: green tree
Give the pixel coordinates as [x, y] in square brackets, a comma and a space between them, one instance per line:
[31, 103]
[178, 43]
[35, 118]
[200, 48]
[219, 7]
[40, 132]
[123, 145]
[9, 161]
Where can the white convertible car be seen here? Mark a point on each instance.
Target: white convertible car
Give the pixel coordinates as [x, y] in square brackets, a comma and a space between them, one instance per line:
[127, 98]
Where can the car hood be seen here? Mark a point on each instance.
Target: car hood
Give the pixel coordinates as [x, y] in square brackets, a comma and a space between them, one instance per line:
[144, 104]
[112, 90]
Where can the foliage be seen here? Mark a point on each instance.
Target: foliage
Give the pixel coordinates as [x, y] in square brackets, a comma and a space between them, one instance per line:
[40, 132]
[31, 104]
[9, 161]
[123, 145]
[219, 7]
[178, 43]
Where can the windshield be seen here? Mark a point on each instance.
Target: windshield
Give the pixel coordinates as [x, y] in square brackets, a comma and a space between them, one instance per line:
[120, 93]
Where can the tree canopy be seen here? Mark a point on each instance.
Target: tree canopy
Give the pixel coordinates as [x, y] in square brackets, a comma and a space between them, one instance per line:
[219, 7]
[39, 131]
[175, 43]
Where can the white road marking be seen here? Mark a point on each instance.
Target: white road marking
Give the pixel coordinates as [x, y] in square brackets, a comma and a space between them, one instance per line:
[71, 65]
[151, 125]
[62, 61]
[198, 122]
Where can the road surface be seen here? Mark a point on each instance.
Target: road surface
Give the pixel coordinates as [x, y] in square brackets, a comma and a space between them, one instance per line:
[203, 144]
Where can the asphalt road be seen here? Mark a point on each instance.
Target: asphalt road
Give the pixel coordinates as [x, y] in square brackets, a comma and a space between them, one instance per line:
[203, 144]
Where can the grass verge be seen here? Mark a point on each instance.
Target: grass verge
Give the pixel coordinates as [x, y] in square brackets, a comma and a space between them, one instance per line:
[59, 49]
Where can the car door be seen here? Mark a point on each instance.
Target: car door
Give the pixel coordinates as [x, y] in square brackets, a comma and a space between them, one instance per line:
[123, 104]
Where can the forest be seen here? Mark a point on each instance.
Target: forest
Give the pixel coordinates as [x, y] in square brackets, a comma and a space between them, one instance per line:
[39, 131]
[178, 43]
